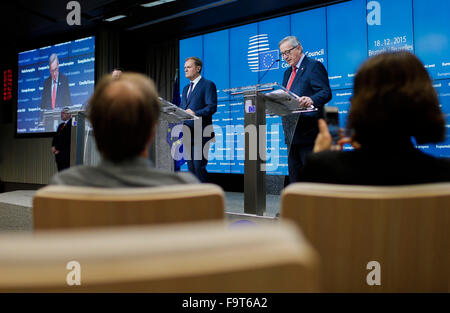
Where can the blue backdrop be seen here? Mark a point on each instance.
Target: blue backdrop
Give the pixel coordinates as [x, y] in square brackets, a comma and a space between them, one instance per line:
[340, 36]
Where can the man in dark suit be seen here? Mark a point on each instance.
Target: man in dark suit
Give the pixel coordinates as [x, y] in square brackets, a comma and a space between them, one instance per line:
[56, 93]
[61, 141]
[199, 98]
[308, 79]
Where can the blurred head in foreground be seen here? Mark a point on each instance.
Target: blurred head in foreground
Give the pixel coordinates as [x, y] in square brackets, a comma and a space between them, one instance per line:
[394, 100]
[124, 112]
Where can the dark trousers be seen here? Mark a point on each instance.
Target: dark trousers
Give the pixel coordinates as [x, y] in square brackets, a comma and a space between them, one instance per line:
[197, 163]
[62, 160]
[296, 160]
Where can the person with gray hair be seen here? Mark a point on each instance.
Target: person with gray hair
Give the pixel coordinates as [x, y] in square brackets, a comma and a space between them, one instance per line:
[308, 79]
[56, 93]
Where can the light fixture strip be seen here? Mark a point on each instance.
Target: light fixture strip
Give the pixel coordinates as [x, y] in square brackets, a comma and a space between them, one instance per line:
[155, 3]
[114, 18]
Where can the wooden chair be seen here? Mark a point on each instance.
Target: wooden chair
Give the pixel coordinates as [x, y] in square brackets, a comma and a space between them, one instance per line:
[405, 229]
[190, 257]
[69, 206]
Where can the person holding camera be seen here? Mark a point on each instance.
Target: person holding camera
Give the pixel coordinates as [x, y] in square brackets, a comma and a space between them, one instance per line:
[393, 101]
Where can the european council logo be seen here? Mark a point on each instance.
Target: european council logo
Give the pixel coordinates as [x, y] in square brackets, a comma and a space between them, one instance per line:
[260, 58]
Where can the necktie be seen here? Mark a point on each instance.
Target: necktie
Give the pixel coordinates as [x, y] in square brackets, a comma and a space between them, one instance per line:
[294, 71]
[54, 95]
[191, 86]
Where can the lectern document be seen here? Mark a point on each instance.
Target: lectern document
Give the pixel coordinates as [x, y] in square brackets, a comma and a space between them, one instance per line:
[285, 102]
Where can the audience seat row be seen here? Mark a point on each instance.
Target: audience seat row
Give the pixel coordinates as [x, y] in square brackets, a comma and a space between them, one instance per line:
[59, 206]
[190, 257]
[405, 229]
[356, 239]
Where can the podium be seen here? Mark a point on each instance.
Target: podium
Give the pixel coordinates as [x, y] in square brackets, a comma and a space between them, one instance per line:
[259, 100]
[174, 114]
[77, 138]
[161, 149]
[50, 119]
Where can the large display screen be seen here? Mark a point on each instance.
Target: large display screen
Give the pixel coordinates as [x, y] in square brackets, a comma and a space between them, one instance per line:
[341, 36]
[52, 78]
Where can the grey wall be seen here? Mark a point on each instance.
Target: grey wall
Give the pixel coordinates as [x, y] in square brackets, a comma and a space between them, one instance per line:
[25, 160]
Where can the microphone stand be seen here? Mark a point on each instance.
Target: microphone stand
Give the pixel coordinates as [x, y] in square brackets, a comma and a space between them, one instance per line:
[275, 61]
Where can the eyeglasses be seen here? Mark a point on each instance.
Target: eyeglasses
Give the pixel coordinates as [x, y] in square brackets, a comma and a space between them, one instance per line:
[288, 51]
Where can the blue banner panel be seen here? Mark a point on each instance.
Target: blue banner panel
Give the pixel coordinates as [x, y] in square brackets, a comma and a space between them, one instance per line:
[271, 71]
[270, 33]
[442, 149]
[191, 47]
[347, 41]
[28, 57]
[432, 36]
[310, 27]
[216, 62]
[341, 36]
[236, 130]
[220, 150]
[276, 152]
[390, 26]
[238, 157]
[82, 46]
[244, 41]
[341, 100]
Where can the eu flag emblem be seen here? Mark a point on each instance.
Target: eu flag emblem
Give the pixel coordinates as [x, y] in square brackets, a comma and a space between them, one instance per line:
[267, 58]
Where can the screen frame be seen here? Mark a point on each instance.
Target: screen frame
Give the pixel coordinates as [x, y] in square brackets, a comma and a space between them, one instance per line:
[43, 43]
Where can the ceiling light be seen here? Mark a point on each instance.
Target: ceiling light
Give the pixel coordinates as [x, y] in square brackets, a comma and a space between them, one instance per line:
[114, 18]
[155, 3]
[184, 13]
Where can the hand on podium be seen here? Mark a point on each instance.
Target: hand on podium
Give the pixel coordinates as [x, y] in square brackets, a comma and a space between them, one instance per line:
[190, 111]
[306, 102]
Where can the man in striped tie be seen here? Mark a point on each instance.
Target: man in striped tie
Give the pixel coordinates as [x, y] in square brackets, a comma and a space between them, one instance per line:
[308, 79]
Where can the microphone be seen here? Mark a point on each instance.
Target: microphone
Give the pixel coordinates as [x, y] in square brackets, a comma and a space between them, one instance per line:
[275, 61]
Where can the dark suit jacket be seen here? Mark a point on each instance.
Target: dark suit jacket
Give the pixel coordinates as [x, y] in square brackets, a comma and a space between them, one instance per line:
[203, 101]
[311, 80]
[62, 93]
[61, 142]
[401, 165]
